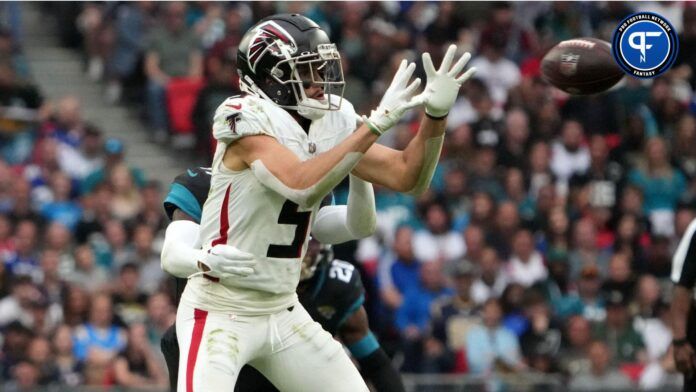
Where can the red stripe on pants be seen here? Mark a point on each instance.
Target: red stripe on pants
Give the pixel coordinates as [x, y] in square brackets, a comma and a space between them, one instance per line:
[224, 219]
[199, 317]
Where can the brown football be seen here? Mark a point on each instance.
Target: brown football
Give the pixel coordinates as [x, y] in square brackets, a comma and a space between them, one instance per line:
[581, 66]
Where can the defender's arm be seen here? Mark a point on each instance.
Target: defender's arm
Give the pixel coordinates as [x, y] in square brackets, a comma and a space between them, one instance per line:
[374, 362]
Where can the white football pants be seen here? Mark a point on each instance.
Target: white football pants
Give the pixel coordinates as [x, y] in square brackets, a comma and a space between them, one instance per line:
[287, 347]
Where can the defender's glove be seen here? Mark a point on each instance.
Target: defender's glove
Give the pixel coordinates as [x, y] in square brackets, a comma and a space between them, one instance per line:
[443, 85]
[396, 100]
[225, 260]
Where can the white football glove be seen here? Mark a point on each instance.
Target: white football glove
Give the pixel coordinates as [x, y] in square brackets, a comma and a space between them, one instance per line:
[396, 100]
[224, 260]
[443, 85]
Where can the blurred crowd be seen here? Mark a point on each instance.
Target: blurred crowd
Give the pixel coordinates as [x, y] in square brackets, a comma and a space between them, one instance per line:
[544, 244]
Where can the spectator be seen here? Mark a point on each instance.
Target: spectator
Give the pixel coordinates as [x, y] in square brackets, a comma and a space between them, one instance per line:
[87, 274]
[620, 277]
[452, 318]
[474, 242]
[57, 238]
[589, 291]
[661, 185]
[15, 307]
[152, 213]
[69, 368]
[584, 251]
[650, 318]
[126, 201]
[540, 174]
[413, 316]
[541, 343]
[604, 175]
[490, 346]
[631, 239]
[21, 102]
[173, 52]
[513, 149]
[115, 250]
[557, 287]
[502, 25]
[573, 354]
[557, 235]
[148, 261]
[136, 365]
[438, 242]
[61, 208]
[658, 257]
[569, 156]
[24, 259]
[600, 377]
[131, 26]
[99, 339]
[623, 341]
[16, 338]
[96, 212]
[491, 281]
[25, 378]
[484, 176]
[482, 210]
[39, 354]
[68, 128]
[403, 270]
[75, 306]
[499, 73]
[129, 301]
[526, 266]
[507, 223]
[160, 316]
[114, 157]
[516, 192]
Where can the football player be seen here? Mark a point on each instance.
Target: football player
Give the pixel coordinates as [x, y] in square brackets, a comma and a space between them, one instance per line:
[281, 148]
[330, 290]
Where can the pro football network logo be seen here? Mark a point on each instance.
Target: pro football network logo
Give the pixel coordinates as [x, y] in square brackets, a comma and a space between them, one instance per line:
[645, 45]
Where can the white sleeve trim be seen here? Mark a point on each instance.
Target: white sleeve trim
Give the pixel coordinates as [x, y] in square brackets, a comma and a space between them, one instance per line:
[680, 254]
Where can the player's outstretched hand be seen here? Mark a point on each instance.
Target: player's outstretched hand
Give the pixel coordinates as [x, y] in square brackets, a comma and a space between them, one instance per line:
[443, 84]
[225, 260]
[395, 101]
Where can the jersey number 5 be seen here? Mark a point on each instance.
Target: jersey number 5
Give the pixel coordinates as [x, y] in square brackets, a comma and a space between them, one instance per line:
[290, 216]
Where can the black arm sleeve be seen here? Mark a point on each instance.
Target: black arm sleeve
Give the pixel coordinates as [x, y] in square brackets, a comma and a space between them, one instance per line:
[379, 370]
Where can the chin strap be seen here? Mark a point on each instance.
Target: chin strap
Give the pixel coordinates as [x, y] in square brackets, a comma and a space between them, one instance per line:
[305, 109]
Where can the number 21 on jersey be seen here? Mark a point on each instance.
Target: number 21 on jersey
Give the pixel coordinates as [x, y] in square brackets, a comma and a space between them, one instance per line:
[341, 270]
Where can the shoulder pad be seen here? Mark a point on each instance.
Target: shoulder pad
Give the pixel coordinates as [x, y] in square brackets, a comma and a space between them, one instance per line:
[188, 192]
[348, 115]
[240, 116]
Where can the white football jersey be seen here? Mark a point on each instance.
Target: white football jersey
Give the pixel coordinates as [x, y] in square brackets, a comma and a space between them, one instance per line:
[240, 211]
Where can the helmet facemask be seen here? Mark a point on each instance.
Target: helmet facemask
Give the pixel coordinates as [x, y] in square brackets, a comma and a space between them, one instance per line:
[322, 69]
[316, 255]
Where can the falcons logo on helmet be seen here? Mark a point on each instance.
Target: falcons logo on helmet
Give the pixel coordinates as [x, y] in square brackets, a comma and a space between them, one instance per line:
[269, 37]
